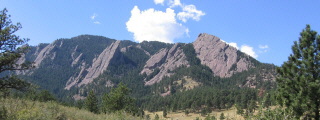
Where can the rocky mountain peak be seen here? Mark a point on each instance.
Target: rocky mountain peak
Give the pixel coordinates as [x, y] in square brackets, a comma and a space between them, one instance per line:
[223, 59]
[164, 61]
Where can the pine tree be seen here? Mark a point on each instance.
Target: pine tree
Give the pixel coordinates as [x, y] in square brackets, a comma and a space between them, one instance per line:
[119, 99]
[222, 117]
[298, 79]
[186, 112]
[165, 113]
[10, 52]
[156, 117]
[92, 102]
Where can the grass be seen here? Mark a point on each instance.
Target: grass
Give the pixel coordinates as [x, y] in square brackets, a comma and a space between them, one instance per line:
[230, 114]
[20, 109]
[189, 83]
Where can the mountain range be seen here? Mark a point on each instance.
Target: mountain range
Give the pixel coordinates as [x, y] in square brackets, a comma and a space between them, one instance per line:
[69, 68]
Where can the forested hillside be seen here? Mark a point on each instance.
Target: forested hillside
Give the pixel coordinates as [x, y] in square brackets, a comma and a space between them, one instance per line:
[159, 75]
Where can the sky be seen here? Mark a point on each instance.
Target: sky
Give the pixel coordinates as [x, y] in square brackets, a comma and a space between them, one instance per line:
[263, 29]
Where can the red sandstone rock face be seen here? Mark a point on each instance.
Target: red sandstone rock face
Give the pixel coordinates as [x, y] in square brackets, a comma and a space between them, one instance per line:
[166, 60]
[99, 65]
[220, 57]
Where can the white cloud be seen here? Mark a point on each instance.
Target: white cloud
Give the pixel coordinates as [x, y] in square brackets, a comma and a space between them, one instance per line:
[190, 12]
[93, 16]
[96, 22]
[248, 50]
[154, 25]
[159, 2]
[244, 48]
[263, 46]
[173, 3]
[233, 44]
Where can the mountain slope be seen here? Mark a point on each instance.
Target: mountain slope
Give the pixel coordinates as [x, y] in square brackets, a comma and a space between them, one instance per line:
[223, 59]
[72, 67]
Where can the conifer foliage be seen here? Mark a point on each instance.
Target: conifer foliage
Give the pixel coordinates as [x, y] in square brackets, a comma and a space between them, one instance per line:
[92, 102]
[118, 99]
[298, 79]
[10, 52]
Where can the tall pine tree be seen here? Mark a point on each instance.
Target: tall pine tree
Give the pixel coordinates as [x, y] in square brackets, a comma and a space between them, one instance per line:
[119, 99]
[10, 52]
[92, 102]
[298, 79]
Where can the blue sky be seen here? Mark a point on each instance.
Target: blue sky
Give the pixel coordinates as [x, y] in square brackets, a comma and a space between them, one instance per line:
[264, 29]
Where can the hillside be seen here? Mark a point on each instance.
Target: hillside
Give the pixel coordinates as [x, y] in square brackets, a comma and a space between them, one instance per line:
[70, 68]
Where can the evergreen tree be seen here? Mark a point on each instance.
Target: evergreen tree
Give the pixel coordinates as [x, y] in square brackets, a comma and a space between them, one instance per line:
[252, 106]
[203, 112]
[45, 95]
[156, 117]
[298, 79]
[10, 52]
[210, 117]
[92, 102]
[148, 117]
[165, 113]
[239, 110]
[186, 112]
[266, 101]
[119, 99]
[222, 117]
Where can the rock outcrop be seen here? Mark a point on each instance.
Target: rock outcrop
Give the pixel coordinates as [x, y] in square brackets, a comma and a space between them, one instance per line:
[45, 52]
[99, 65]
[165, 60]
[220, 57]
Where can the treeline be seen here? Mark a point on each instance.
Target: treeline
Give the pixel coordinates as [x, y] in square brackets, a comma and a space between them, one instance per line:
[116, 100]
[200, 98]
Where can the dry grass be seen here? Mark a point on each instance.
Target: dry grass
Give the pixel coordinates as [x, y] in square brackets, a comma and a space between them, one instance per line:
[17, 109]
[229, 114]
[189, 83]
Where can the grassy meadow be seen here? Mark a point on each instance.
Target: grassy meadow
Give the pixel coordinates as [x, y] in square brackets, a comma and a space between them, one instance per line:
[229, 114]
[20, 109]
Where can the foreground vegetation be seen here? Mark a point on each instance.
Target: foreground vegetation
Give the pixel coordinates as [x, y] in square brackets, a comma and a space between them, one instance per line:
[22, 109]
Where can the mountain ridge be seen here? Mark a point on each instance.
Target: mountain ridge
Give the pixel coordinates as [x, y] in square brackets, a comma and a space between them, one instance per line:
[81, 63]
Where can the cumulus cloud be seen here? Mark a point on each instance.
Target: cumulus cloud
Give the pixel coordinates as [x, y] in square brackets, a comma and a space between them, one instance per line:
[174, 3]
[164, 26]
[190, 12]
[248, 50]
[153, 25]
[158, 1]
[233, 44]
[244, 48]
